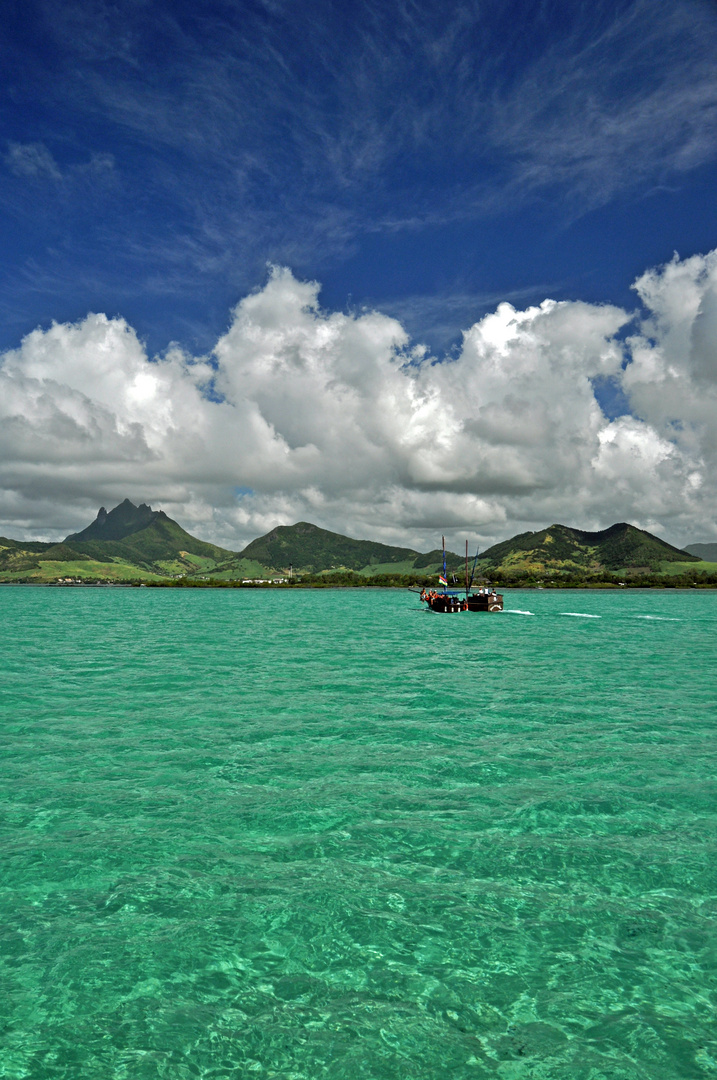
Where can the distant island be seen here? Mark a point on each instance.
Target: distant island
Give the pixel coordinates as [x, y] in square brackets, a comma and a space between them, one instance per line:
[137, 545]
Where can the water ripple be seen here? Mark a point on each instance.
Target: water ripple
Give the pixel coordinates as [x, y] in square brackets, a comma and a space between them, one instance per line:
[308, 835]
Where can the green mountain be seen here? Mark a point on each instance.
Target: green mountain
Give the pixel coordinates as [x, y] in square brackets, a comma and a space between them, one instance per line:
[311, 550]
[132, 542]
[127, 543]
[135, 542]
[622, 547]
[123, 521]
[143, 537]
[708, 552]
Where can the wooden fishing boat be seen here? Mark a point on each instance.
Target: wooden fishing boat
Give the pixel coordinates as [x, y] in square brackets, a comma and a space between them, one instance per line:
[485, 600]
[449, 603]
[444, 603]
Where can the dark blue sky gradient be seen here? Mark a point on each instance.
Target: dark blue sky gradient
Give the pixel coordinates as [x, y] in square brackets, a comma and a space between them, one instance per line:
[429, 160]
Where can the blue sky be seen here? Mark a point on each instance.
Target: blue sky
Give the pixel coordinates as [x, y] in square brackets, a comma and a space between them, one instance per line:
[424, 161]
[427, 159]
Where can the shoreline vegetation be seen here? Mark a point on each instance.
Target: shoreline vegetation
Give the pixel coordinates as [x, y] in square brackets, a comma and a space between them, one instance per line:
[391, 581]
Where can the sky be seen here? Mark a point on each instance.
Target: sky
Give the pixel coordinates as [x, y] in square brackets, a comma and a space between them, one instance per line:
[396, 268]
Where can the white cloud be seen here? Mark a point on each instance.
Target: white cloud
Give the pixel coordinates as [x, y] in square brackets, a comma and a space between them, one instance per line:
[35, 161]
[31, 159]
[339, 419]
[597, 112]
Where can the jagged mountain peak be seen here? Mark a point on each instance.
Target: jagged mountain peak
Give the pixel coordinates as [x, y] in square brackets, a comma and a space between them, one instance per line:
[124, 520]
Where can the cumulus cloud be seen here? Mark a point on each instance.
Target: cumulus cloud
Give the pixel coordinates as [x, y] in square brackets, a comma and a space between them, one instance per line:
[340, 419]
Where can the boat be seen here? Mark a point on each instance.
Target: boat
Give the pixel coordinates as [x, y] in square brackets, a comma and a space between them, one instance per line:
[485, 600]
[445, 603]
[450, 603]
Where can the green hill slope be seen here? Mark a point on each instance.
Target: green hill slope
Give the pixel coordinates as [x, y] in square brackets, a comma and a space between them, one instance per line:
[128, 542]
[708, 552]
[560, 548]
[162, 540]
[19, 558]
[311, 550]
[35, 561]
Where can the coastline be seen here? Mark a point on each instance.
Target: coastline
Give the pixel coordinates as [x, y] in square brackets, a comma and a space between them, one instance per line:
[397, 587]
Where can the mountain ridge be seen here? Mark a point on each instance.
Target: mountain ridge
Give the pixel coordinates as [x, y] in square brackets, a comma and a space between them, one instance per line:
[620, 546]
[122, 521]
[134, 542]
[708, 551]
[316, 550]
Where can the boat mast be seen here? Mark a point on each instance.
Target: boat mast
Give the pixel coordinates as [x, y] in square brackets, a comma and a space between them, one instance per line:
[445, 573]
[467, 569]
[473, 570]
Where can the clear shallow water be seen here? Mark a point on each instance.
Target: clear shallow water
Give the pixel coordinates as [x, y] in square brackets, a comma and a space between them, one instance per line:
[332, 835]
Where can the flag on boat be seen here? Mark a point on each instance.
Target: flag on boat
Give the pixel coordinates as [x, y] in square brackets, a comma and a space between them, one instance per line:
[442, 580]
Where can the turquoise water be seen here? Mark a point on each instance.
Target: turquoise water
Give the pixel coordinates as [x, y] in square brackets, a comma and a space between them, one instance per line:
[332, 835]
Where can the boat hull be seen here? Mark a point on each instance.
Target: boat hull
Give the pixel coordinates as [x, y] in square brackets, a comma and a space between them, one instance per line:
[445, 605]
[451, 604]
[485, 602]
